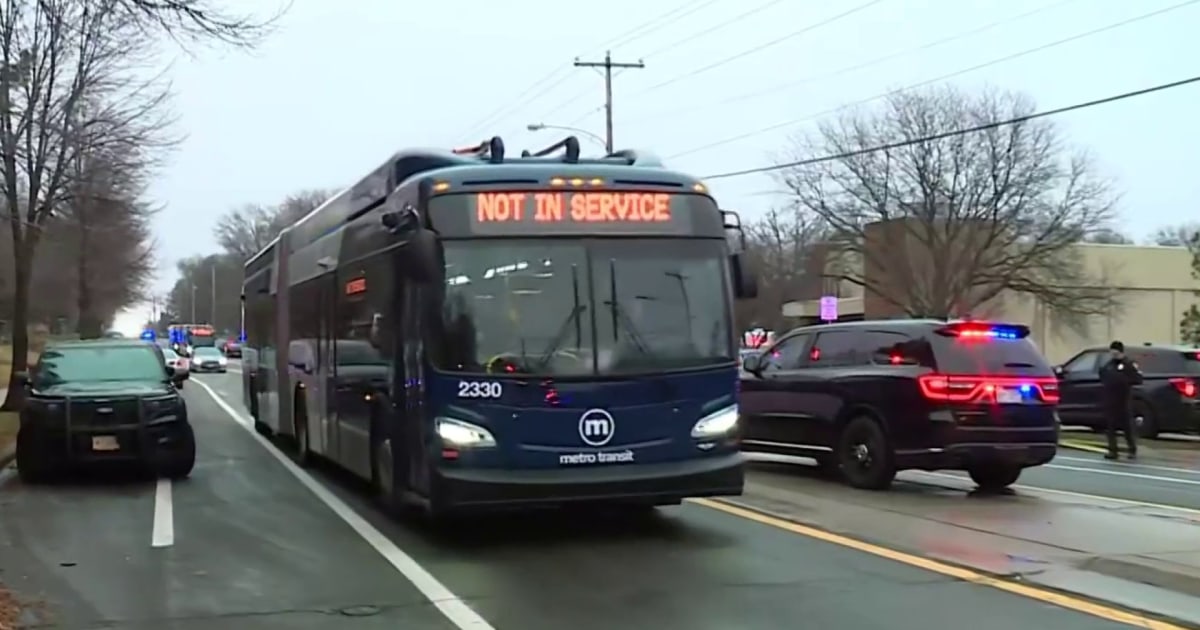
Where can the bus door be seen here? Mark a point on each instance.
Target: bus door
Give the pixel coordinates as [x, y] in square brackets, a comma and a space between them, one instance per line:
[410, 425]
[327, 351]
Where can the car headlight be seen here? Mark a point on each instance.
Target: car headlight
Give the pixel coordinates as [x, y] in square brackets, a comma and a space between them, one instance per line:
[222, 360]
[463, 434]
[716, 424]
[164, 404]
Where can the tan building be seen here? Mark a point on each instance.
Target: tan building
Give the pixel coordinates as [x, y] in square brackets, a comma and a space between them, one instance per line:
[1154, 287]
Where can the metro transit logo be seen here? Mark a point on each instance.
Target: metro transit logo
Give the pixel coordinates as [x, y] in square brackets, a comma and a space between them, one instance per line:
[596, 427]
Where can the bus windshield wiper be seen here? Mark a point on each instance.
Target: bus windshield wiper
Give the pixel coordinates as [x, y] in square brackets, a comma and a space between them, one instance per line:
[619, 315]
[564, 329]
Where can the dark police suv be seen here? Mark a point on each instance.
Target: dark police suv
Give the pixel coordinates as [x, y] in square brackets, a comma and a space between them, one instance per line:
[103, 401]
[874, 397]
[1167, 400]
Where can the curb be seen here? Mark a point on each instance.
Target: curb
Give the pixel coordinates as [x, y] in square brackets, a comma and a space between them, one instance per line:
[7, 456]
[1082, 446]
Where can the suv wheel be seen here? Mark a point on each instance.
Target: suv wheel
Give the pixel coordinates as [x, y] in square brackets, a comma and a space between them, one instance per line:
[994, 477]
[32, 463]
[865, 455]
[178, 462]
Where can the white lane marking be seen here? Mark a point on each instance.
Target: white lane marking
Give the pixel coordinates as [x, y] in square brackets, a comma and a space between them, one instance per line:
[164, 516]
[1118, 473]
[1077, 495]
[1127, 464]
[451, 605]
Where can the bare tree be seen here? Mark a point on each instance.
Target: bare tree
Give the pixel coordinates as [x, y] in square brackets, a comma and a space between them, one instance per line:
[1108, 236]
[781, 247]
[1176, 235]
[946, 225]
[198, 20]
[245, 231]
[69, 70]
[113, 238]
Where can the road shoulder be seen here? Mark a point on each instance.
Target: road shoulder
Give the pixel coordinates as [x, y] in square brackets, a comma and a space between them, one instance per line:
[1027, 539]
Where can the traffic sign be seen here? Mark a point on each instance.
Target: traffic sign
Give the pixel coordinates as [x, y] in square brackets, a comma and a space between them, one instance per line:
[829, 308]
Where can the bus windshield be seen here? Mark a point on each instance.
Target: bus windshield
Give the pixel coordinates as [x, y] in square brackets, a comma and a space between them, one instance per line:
[576, 308]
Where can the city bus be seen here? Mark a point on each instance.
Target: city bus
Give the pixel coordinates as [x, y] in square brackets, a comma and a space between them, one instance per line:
[468, 330]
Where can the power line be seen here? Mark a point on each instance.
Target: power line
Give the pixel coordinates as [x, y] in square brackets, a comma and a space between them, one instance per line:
[608, 64]
[712, 29]
[759, 48]
[959, 132]
[860, 66]
[560, 74]
[944, 77]
[733, 20]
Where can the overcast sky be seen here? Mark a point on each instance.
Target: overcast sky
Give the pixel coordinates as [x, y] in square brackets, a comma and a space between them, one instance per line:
[344, 83]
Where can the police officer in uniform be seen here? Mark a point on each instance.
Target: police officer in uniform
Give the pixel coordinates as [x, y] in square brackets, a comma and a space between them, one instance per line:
[1117, 377]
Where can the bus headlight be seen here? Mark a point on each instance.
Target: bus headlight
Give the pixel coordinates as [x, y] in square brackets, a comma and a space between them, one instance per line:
[463, 434]
[716, 424]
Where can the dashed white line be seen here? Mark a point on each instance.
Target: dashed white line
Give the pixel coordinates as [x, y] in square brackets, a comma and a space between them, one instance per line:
[450, 605]
[164, 516]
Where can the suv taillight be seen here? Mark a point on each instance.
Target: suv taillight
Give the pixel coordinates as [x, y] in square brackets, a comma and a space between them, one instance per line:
[976, 389]
[1185, 386]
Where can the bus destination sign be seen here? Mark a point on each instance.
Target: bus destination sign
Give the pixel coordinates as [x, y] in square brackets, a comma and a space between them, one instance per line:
[614, 212]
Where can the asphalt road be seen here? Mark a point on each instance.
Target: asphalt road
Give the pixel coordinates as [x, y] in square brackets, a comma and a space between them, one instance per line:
[1087, 473]
[247, 543]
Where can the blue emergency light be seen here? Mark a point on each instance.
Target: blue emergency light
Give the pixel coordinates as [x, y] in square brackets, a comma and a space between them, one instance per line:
[242, 336]
[148, 335]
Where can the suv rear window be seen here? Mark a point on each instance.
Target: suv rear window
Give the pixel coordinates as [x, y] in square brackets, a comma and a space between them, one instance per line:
[1159, 361]
[988, 356]
[1192, 362]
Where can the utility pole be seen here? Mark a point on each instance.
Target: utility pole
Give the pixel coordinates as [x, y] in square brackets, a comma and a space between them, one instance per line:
[608, 64]
[213, 307]
[193, 284]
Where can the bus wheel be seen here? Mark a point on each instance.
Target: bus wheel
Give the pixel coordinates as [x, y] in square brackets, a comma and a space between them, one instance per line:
[383, 477]
[300, 428]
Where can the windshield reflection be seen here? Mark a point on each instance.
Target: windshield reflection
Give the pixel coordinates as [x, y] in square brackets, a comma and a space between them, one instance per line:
[566, 309]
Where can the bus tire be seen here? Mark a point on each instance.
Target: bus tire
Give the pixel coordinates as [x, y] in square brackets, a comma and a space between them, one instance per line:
[383, 477]
[300, 428]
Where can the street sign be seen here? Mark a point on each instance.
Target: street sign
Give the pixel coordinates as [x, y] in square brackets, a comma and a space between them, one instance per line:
[829, 308]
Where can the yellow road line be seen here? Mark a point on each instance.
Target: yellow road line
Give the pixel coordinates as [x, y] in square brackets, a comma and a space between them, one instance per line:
[967, 575]
[1082, 446]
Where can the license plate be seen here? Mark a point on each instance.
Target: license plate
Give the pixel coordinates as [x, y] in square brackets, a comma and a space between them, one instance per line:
[1009, 396]
[105, 443]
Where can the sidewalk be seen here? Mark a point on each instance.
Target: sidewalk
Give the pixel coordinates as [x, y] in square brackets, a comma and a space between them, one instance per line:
[1173, 451]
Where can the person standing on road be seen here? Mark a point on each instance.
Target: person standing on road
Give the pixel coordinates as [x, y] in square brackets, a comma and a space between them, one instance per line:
[1117, 378]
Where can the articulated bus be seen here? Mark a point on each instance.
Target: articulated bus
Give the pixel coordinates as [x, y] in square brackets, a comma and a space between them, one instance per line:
[467, 330]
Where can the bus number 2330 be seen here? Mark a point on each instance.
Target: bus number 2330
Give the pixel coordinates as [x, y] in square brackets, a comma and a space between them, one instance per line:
[479, 389]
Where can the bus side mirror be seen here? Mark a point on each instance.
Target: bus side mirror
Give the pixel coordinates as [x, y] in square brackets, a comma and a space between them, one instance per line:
[419, 257]
[745, 283]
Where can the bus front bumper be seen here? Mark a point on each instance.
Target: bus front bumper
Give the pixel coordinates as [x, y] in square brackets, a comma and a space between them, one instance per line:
[654, 484]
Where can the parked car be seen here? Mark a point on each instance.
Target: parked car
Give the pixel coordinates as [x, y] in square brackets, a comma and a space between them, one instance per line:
[1166, 401]
[177, 362]
[91, 402]
[232, 348]
[208, 359]
[868, 399]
